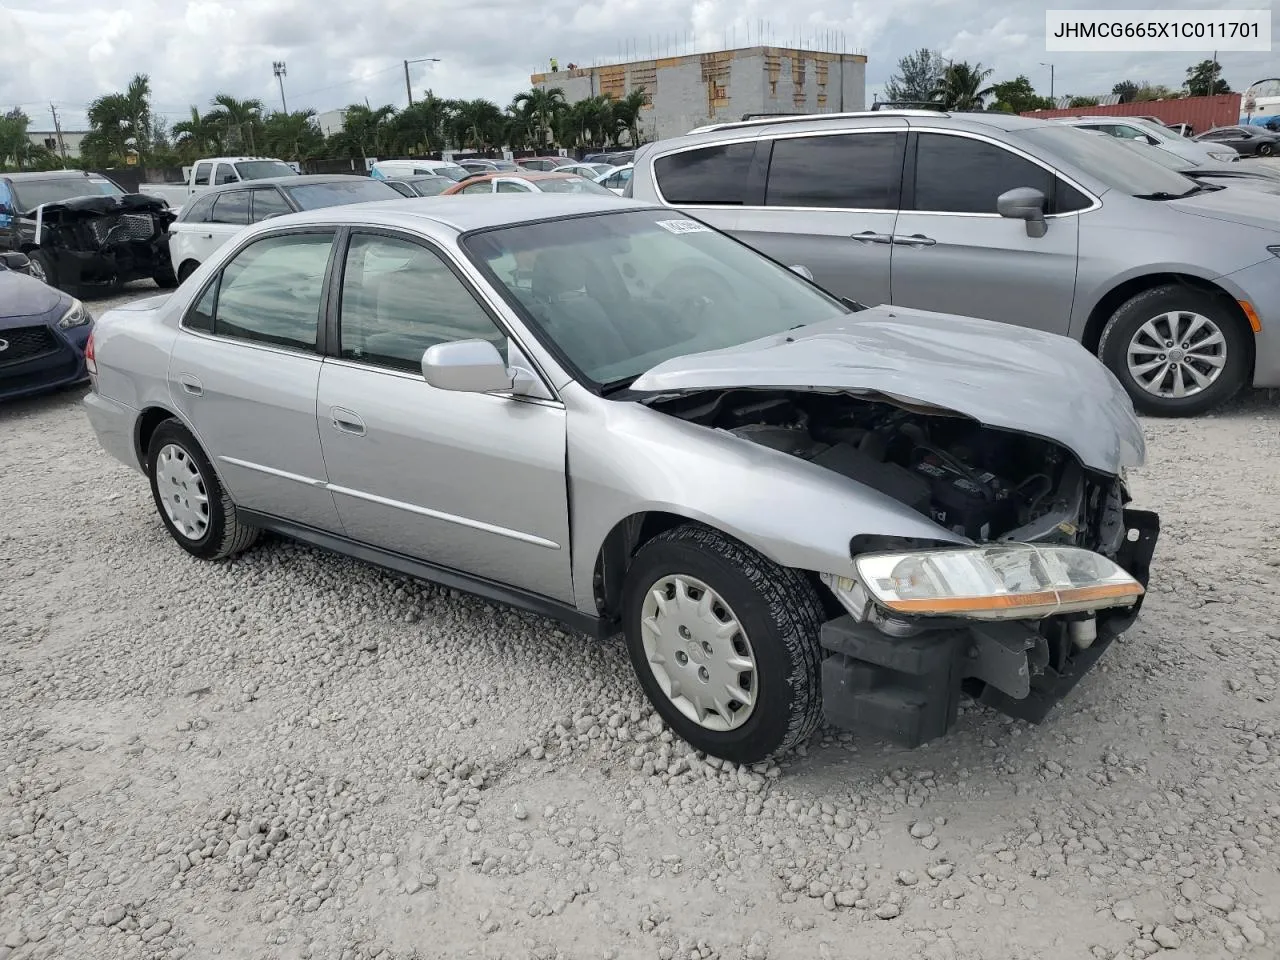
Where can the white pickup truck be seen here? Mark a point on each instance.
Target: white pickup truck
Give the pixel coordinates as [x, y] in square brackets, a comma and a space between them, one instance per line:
[215, 171]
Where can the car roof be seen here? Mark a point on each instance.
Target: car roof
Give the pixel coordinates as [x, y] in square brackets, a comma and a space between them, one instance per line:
[235, 159]
[523, 175]
[49, 175]
[286, 181]
[462, 213]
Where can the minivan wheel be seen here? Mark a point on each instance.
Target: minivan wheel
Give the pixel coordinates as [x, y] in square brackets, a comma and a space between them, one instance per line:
[724, 643]
[1178, 350]
[192, 504]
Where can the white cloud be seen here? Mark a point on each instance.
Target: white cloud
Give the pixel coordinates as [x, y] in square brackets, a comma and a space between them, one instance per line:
[70, 51]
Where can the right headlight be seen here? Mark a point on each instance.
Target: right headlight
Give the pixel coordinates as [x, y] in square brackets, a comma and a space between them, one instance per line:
[1225, 157]
[999, 582]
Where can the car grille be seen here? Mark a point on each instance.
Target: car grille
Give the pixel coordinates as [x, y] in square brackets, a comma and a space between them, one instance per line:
[124, 227]
[26, 343]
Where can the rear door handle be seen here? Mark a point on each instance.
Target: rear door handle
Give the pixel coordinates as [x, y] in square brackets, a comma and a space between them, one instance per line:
[869, 236]
[347, 421]
[191, 385]
[915, 240]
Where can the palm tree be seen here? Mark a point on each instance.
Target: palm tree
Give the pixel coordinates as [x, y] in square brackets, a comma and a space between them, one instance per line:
[367, 131]
[199, 136]
[627, 112]
[291, 136]
[109, 123]
[137, 100]
[588, 123]
[421, 127]
[541, 106]
[238, 117]
[961, 86]
[475, 123]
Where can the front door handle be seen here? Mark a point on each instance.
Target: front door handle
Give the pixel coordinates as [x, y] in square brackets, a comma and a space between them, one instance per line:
[870, 236]
[347, 421]
[191, 385]
[915, 240]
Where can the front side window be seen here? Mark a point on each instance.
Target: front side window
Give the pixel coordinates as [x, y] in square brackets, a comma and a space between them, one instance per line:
[508, 186]
[618, 293]
[224, 174]
[270, 291]
[231, 207]
[860, 171]
[399, 298]
[963, 175]
[708, 175]
[482, 186]
[267, 202]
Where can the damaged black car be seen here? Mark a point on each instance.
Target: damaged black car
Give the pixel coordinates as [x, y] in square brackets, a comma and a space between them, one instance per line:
[83, 230]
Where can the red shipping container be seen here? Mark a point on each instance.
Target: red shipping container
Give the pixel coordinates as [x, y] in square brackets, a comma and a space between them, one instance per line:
[1202, 113]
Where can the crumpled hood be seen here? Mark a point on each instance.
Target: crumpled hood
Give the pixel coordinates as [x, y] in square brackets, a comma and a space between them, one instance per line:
[1003, 376]
[23, 297]
[95, 205]
[1251, 207]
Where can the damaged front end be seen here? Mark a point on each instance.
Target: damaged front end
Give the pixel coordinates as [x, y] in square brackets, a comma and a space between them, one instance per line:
[104, 240]
[1039, 565]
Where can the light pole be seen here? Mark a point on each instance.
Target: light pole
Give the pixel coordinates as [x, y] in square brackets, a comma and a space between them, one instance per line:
[1050, 66]
[408, 88]
[277, 67]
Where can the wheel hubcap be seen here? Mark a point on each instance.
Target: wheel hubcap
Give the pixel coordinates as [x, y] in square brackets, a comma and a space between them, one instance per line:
[698, 652]
[1177, 354]
[36, 269]
[182, 491]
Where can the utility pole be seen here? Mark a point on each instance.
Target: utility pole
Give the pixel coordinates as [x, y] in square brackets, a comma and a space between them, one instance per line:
[278, 69]
[57, 127]
[1050, 66]
[408, 87]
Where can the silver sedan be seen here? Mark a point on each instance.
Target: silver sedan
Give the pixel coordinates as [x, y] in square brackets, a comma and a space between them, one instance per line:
[612, 414]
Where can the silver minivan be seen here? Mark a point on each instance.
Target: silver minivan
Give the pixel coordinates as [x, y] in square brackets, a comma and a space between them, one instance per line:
[1174, 283]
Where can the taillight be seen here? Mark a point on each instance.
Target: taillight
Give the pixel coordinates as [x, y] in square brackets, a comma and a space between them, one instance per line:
[89, 363]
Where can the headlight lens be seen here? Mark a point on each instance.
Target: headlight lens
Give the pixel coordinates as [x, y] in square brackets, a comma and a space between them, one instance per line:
[1013, 581]
[1226, 157]
[76, 316]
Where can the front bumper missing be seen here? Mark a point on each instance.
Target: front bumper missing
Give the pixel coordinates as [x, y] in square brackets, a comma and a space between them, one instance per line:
[908, 689]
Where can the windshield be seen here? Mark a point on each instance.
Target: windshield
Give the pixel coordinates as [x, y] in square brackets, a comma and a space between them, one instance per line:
[29, 194]
[571, 185]
[619, 293]
[310, 196]
[430, 186]
[1106, 160]
[451, 170]
[1163, 157]
[261, 169]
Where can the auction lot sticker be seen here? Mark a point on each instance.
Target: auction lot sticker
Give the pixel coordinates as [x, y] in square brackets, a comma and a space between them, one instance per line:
[683, 226]
[1130, 31]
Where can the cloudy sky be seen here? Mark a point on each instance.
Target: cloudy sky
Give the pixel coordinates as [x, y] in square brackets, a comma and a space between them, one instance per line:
[69, 51]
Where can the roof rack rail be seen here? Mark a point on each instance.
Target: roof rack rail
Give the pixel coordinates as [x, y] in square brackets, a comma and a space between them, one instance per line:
[807, 117]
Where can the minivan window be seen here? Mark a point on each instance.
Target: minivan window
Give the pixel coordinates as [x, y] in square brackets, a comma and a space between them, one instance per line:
[1106, 161]
[859, 171]
[710, 175]
[964, 175]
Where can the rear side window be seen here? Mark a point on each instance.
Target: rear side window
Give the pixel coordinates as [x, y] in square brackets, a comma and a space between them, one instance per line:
[231, 207]
[710, 175]
[270, 292]
[860, 171]
[963, 175]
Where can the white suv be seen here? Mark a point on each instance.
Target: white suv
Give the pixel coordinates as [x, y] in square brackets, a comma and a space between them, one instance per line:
[1155, 134]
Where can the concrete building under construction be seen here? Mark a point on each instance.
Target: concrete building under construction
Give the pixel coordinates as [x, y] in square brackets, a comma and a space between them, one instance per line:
[689, 91]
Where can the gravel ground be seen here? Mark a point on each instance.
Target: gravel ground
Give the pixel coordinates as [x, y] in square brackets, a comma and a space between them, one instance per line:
[296, 755]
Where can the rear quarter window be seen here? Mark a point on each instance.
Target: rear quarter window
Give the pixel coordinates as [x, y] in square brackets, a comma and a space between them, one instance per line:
[706, 175]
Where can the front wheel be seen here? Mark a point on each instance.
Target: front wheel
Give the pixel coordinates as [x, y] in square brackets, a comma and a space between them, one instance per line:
[1265, 149]
[192, 504]
[1178, 350]
[724, 643]
[43, 267]
[164, 277]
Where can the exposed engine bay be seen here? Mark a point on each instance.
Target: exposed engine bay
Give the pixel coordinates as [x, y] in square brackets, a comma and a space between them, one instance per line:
[979, 482]
[105, 239]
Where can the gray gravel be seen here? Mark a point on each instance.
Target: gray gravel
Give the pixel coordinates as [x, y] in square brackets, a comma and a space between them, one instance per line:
[296, 755]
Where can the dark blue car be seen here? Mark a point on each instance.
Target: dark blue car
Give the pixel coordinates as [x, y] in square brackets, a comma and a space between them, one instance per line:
[42, 333]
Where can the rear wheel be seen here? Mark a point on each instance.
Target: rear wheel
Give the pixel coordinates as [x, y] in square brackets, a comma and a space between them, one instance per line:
[192, 504]
[724, 643]
[186, 270]
[1178, 350]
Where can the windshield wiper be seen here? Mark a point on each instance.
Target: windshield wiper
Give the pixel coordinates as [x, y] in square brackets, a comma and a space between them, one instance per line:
[1165, 195]
[617, 386]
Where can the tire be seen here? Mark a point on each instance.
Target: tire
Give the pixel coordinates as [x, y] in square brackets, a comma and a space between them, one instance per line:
[43, 267]
[186, 270]
[165, 278]
[1265, 149]
[1153, 305]
[779, 614]
[222, 534]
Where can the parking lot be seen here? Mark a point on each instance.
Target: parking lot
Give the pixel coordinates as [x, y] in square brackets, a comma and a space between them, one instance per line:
[297, 755]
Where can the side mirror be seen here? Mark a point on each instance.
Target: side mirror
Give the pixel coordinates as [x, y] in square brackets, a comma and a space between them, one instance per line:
[16, 261]
[466, 366]
[801, 269]
[1024, 203]
[1151, 141]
